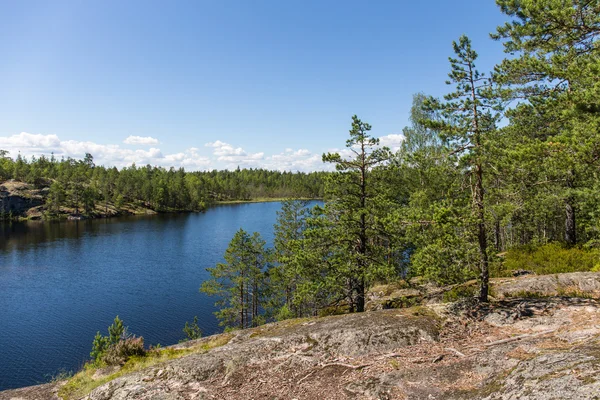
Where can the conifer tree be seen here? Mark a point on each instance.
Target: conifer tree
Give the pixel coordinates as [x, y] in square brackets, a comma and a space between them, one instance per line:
[353, 206]
[555, 70]
[287, 275]
[468, 118]
[239, 281]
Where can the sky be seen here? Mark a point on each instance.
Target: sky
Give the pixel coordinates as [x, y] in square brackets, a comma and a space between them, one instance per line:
[220, 84]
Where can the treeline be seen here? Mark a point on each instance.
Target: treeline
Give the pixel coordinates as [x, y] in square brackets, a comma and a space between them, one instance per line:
[83, 186]
[505, 159]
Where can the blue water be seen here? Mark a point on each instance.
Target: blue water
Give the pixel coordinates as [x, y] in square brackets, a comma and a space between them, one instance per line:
[61, 282]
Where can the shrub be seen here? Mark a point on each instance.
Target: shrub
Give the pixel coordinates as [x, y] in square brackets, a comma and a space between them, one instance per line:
[459, 292]
[551, 258]
[118, 353]
[192, 331]
[446, 261]
[284, 313]
[99, 346]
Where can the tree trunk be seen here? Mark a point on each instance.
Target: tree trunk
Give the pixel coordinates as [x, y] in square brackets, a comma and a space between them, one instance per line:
[360, 284]
[570, 227]
[497, 237]
[242, 304]
[484, 275]
[360, 295]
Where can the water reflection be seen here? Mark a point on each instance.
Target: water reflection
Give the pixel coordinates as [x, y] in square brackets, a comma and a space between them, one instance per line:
[60, 282]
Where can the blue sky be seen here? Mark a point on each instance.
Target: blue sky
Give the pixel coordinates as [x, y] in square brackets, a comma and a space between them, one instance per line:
[216, 84]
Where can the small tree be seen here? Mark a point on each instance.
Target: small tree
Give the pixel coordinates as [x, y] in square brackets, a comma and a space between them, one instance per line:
[116, 330]
[101, 344]
[468, 117]
[353, 204]
[239, 281]
[192, 331]
[56, 197]
[289, 244]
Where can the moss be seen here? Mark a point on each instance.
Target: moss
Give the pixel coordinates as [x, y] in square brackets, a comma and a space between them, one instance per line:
[493, 386]
[277, 328]
[388, 288]
[459, 292]
[83, 382]
[421, 311]
[402, 302]
[333, 310]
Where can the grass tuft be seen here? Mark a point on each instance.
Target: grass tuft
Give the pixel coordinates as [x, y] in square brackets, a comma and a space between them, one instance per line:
[84, 382]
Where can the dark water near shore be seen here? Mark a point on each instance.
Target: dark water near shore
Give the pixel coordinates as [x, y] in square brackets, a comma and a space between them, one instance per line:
[62, 282]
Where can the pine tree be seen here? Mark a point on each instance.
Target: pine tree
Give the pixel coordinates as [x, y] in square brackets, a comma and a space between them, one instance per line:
[353, 203]
[468, 118]
[555, 69]
[289, 244]
[239, 281]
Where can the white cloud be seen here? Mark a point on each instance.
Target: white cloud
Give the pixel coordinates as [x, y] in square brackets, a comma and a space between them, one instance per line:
[110, 154]
[141, 140]
[300, 160]
[30, 143]
[393, 141]
[224, 155]
[235, 156]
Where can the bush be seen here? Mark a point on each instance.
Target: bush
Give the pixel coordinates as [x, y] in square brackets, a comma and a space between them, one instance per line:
[118, 346]
[551, 258]
[446, 261]
[118, 353]
[459, 292]
[192, 331]
[99, 346]
[284, 313]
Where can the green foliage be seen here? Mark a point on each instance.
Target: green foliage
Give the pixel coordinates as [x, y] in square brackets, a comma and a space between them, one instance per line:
[459, 292]
[356, 237]
[446, 260]
[117, 347]
[284, 313]
[289, 274]
[467, 122]
[85, 188]
[551, 258]
[116, 330]
[192, 331]
[99, 346]
[239, 282]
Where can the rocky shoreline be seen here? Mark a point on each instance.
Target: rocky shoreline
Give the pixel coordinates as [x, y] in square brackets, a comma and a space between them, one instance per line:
[537, 347]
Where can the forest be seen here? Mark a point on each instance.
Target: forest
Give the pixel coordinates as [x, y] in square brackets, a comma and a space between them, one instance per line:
[505, 163]
[88, 189]
[499, 174]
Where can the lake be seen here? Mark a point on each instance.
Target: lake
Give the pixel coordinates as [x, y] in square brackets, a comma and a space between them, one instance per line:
[61, 282]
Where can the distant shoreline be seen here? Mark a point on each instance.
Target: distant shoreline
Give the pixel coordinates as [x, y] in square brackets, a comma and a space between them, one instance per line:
[265, 200]
[143, 211]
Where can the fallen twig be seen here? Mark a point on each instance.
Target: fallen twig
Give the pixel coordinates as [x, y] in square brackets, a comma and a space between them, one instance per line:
[458, 353]
[305, 377]
[515, 338]
[338, 364]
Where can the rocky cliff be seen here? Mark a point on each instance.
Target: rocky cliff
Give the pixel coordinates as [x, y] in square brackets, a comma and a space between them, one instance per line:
[17, 198]
[545, 346]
